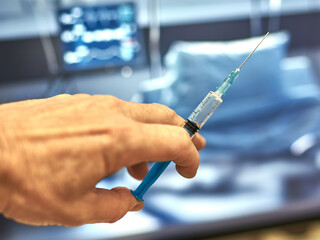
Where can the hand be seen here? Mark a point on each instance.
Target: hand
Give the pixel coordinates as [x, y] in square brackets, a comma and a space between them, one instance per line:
[54, 151]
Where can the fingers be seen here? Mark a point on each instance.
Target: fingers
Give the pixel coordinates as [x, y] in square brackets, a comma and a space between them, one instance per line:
[199, 141]
[139, 171]
[152, 113]
[156, 142]
[158, 113]
[60, 96]
[146, 113]
[31, 102]
[102, 205]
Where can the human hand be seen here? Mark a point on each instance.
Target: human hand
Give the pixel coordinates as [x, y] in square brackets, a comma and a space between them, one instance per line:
[54, 151]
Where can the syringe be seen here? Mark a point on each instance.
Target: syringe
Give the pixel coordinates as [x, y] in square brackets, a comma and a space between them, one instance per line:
[193, 124]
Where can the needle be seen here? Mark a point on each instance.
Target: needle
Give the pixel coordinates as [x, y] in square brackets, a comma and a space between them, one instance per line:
[253, 51]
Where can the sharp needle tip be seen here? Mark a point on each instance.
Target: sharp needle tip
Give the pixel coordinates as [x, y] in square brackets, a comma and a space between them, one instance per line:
[253, 50]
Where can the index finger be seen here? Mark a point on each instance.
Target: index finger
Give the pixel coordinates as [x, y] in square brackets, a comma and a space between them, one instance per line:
[151, 113]
[157, 113]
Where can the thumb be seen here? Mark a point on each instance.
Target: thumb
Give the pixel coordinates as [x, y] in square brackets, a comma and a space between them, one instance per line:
[101, 205]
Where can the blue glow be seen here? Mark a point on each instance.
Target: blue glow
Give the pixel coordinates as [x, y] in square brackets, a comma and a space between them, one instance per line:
[99, 36]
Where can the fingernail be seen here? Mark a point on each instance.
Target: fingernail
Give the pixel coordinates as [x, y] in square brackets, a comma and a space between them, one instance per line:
[137, 207]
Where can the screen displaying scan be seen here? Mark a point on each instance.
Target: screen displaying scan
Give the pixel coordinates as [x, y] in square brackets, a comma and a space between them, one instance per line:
[99, 36]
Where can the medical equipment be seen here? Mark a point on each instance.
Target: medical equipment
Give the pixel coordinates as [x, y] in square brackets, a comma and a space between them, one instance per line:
[96, 36]
[193, 124]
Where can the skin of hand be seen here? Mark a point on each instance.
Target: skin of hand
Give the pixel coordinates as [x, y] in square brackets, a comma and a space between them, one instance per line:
[54, 151]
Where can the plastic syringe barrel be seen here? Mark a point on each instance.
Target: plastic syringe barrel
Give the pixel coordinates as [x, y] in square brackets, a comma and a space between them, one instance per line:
[158, 168]
[150, 178]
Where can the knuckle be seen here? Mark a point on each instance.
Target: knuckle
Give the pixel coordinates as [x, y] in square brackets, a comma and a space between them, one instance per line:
[79, 95]
[125, 133]
[63, 95]
[168, 112]
[110, 101]
[59, 96]
[104, 103]
[105, 98]
[184, 142]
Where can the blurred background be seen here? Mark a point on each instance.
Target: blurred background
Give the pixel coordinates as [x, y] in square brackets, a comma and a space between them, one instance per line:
[259, 176]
